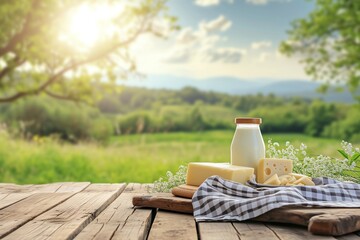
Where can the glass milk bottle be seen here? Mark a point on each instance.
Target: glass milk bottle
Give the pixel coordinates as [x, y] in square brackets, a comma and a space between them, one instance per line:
[247, 146]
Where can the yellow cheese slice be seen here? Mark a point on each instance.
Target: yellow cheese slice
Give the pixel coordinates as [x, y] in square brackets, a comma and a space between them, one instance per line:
[273, 180]
[298, 175]
[305, 181]
[198, 172]
[269, 166]
[294, 179]
[284, 179]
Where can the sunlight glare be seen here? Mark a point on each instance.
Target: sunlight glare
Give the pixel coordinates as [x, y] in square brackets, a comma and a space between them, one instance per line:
[87, 24]
[84, 26]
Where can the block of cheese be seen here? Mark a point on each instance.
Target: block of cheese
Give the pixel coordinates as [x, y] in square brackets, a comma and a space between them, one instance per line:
[198, 172]
[269, 166]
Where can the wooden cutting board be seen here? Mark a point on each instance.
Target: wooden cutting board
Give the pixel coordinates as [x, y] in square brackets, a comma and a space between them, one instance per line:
[324, 221]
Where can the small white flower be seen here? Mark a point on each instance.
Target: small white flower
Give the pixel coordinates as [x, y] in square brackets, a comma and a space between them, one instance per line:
[303, 147]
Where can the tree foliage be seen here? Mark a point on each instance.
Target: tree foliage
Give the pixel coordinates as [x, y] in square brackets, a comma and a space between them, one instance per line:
[35, 58]
[328, 41]
[43, 116]
[171, 111]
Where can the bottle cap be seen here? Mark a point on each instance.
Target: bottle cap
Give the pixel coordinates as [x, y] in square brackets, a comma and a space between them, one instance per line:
[248, 120]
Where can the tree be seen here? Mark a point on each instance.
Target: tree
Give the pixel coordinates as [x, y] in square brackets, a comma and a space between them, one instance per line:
[39, 54]
[196, 120]
[320, 115]
[328, 41]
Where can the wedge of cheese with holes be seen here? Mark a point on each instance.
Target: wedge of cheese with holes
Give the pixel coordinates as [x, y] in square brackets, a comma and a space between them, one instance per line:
[198, 172]
[269, 166]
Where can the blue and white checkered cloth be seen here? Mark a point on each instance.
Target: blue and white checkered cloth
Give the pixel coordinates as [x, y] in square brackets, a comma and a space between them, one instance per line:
[222, 200]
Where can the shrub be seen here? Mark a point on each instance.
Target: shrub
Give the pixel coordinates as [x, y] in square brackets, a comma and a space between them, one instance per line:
[321, 114]
[347, 128]
[137, 122]
[289, 118]
[45, 117]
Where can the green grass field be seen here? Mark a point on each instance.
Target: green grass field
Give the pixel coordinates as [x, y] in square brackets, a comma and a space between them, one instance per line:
[134, 158]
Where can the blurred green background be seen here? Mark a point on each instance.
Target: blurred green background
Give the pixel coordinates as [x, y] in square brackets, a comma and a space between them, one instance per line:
[43, 140]
[74, 105]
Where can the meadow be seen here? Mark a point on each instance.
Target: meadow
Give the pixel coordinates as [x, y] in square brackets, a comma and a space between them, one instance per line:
[130, 158]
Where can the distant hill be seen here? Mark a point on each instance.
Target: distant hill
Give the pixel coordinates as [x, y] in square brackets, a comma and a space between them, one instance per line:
[306, 89]
[289, 87]
[220, 84]
[236, 86]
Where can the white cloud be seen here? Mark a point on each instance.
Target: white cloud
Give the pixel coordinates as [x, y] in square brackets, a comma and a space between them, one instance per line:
[186, 36]
[209, 41]
[202, 44]
[225, 55]
[208, 3]
[261, 44]
[219, 24]
[257, 2]
[179, 55]
[161, 27]
[279, 55]
[264, 56]
[264, 2]
[204, 52]
[194, 60]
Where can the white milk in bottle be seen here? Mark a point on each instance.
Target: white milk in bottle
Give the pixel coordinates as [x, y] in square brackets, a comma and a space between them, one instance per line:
[247, 146]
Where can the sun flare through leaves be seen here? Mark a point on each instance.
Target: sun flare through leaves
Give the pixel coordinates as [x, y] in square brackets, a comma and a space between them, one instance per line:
[86, 25]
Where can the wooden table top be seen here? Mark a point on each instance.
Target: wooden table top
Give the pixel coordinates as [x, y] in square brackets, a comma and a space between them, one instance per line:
[81, 210]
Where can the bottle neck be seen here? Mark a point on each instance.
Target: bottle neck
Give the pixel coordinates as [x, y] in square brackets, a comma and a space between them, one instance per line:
[247, 125]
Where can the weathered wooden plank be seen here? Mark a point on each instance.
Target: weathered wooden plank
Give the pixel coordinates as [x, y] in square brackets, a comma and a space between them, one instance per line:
[7, 188]
[12, 193]
[254, 231]
[120, 220]
[67, 219]
[137, 226]
[294, 232]
[214, 230]
[169, 225]
[17, 214]
[349, 237]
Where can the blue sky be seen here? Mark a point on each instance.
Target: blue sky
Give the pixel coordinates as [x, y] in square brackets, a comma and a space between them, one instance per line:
[250, 21]
[232, 38]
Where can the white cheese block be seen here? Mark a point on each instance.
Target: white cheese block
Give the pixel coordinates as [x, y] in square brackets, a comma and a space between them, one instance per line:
[269, 166]
[198, 172]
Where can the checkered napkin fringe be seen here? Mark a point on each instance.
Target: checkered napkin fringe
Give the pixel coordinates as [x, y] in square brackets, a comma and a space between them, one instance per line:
[222, 200]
